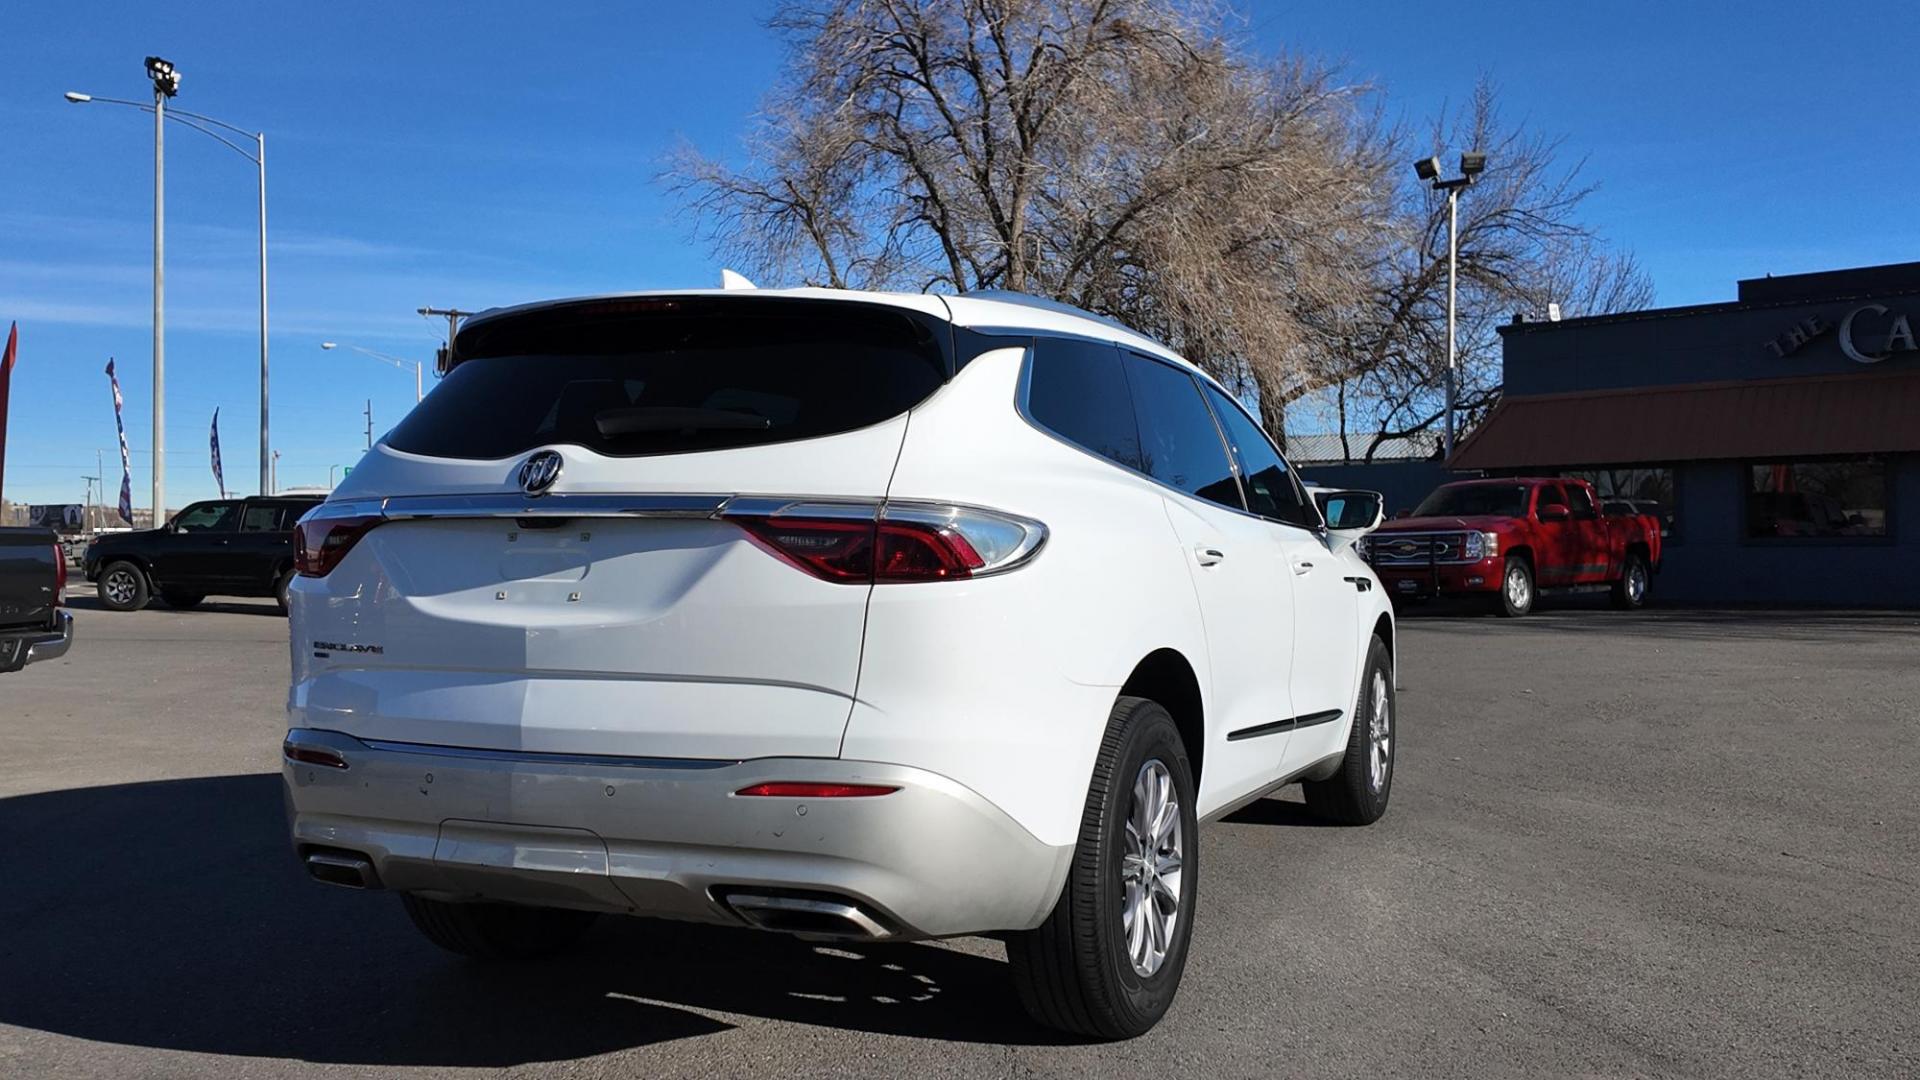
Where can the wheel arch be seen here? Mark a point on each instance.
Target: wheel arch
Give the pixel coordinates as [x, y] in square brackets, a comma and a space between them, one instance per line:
[1165, 676]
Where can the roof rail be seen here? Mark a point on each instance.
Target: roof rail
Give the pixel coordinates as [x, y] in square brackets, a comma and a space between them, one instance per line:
[1008, 296]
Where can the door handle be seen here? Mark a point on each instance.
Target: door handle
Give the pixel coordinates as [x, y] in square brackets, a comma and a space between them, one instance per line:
[1208, 556]
[1303, 566]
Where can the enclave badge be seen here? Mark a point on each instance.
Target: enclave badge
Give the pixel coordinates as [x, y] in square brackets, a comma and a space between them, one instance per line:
[538, 472]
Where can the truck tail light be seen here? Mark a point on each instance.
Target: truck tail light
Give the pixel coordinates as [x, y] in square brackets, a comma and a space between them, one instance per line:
[894, 542]
[59, 574]
[321, 540]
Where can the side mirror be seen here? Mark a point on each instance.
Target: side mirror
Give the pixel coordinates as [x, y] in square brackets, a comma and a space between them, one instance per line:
[1554, 513]
[1355, 512]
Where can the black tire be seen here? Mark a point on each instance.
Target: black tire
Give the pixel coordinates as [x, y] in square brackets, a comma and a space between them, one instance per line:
[280, 586]
[1630, 592]
[181, 600]
[1075, 972]
[123, 586]
[1354, 795]
[497, 932]
[1510, 606]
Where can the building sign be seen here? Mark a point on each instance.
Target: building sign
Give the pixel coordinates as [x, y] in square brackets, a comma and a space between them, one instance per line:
[1867, 334]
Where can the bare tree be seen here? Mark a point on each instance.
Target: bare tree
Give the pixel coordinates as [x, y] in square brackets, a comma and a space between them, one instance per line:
[1129, 157]
[1116, 154]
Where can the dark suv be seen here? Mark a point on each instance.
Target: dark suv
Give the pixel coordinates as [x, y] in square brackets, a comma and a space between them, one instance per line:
[229, 547]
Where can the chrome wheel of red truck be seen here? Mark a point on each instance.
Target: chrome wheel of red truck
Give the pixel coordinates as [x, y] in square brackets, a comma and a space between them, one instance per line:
[1516, 588]
[1631, 590]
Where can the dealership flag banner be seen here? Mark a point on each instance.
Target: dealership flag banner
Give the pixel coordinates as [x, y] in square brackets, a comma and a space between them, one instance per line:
[126, 463]
[217, 478]
[6, 380]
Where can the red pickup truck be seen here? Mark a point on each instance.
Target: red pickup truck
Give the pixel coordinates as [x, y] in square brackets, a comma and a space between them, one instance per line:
[1511, 538]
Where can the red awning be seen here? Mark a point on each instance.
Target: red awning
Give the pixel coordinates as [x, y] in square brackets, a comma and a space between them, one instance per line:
[1868, 413]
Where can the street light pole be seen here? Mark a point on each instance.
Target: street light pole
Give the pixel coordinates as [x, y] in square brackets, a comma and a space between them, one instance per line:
[166, 84]
[1453, 278]
[266, 450]
[419, 385]
[159, 300]
[1472, 164]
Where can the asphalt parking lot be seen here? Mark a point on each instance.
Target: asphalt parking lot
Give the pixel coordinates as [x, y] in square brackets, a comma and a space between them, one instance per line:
[1659, 844]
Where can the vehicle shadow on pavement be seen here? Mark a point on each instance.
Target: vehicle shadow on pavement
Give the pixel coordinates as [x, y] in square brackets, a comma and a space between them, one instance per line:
[84, 600]
[172, 914]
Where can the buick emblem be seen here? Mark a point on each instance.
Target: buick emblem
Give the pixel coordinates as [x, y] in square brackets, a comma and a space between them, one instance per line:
[538, 472]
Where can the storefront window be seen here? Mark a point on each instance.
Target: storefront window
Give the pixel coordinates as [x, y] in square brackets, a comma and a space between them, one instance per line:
[1817, 498]
[1634, 491]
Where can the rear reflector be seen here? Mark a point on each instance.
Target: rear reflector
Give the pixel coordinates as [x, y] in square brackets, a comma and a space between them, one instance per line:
[308, 754]
[797, 790]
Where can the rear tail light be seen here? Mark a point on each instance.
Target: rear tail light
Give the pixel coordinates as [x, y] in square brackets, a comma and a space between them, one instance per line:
[898, 542]
[797, 790]
[325, 535]
[59, 574]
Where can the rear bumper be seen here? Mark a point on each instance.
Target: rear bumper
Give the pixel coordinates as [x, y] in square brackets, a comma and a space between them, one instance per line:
[17, 650]
[1443, 579]
[669, 838]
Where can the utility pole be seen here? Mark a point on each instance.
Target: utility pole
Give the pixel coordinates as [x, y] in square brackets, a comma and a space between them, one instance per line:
[369, 423]
[453, 317]
[89, 514]
[273, 475]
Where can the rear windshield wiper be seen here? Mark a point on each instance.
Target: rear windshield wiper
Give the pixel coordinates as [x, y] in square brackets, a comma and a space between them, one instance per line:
[642, 419]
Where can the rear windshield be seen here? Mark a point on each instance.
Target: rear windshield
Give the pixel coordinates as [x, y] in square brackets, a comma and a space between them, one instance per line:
[1466, 500]
[630, 378]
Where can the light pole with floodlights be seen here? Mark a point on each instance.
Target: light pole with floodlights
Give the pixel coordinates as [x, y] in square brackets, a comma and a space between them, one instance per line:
[1472, 164]
[167, 84]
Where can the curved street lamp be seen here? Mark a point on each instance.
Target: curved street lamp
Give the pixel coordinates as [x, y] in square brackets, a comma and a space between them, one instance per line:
[402, 364]
[166, 83]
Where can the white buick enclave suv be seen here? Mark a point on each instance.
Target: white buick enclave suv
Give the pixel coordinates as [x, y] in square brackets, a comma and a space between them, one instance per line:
[848, 615]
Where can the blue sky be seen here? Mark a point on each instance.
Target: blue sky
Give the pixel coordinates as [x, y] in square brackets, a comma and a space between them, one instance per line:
[486, 153]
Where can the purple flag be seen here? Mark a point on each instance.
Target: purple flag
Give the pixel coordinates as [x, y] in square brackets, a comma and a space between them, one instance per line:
[125, 506]
[217, 478]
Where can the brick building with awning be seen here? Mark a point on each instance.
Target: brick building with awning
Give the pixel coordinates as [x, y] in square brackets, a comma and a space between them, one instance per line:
[1778, 435]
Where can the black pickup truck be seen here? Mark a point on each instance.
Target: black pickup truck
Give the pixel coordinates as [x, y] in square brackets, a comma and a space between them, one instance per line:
[33, 575]
[223, 547]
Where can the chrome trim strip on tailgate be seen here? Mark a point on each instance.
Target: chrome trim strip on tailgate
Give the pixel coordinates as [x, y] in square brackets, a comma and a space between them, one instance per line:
[404, 507]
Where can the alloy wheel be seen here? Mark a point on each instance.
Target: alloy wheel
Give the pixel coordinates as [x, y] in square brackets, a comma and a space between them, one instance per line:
[1379, 732]
[1150, 868]
[1519, 593]
[1636, 582]
[120, 587]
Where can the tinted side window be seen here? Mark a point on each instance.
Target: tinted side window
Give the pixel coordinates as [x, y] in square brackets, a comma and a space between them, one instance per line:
[207, 517]
[262, 517]
[1270, 489]
[1581, 502]
[1550, 495]
[1077, 390]
[1179, 443]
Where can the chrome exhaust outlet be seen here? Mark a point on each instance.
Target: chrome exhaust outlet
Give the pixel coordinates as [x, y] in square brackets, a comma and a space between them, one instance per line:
[808, 917]
[342, 868]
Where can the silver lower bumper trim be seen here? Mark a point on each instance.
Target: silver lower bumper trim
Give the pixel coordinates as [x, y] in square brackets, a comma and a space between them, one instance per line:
[673, 839]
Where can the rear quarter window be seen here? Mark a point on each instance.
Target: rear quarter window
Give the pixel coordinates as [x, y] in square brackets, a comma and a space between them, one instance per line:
[667, 376]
